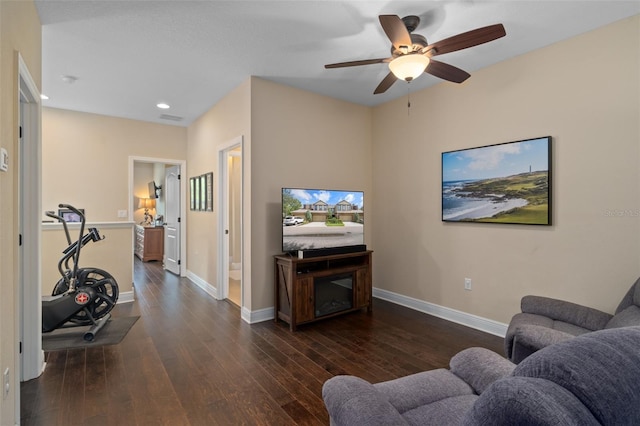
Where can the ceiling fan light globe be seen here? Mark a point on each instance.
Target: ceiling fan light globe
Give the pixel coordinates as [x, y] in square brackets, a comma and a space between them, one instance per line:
[409, 67]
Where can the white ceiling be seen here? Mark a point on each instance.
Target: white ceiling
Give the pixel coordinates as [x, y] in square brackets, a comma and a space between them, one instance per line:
[129, 55]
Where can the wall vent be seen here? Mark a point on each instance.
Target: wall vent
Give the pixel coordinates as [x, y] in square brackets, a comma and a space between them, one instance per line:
[171, 117]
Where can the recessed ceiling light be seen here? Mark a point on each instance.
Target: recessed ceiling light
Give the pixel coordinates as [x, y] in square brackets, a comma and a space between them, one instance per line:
[162, 105]
[43, 96]
[69, 79]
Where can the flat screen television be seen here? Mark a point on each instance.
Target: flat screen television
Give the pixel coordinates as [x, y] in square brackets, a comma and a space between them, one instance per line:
[315, 219]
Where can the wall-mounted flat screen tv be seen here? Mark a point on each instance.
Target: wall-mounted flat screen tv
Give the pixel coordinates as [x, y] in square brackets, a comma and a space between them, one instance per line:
[502, 183]
[321, 218]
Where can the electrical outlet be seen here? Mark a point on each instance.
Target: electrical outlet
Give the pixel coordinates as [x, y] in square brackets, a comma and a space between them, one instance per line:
[5, 383]
[122, 213]
[467, 283]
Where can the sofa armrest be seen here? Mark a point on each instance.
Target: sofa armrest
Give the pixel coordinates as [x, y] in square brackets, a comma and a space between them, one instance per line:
[561, 310]
[480, 367]
[351, 400]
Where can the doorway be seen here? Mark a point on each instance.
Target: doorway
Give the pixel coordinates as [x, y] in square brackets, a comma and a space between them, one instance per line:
[157, 172]
[230, 222]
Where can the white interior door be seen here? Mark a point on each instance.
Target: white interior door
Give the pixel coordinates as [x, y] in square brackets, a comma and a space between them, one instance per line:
[172, 220]
[29, 162]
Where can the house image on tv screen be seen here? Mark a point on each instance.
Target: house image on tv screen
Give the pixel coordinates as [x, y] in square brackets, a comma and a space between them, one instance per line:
[320, 211]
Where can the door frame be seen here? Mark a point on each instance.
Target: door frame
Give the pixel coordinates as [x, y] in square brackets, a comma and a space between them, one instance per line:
[30, 363]
[223, 219]
[183, 205]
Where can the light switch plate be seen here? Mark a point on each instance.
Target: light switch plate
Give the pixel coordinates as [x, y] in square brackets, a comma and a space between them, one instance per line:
[4, 160]
[5, 383]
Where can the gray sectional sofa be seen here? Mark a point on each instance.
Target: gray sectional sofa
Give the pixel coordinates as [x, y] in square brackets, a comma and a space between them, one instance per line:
[592, 379]
[545, 321]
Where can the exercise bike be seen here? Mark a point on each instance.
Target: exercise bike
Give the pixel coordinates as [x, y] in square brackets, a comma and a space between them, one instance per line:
[82, 296]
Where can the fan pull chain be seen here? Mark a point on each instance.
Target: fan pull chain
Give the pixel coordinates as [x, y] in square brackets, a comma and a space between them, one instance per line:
[408, 101]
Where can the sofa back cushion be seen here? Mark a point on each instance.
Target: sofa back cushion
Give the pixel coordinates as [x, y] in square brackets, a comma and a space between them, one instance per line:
[631, 298]
[351, 400]
[528, 401]
[601, 369]
[628, 317]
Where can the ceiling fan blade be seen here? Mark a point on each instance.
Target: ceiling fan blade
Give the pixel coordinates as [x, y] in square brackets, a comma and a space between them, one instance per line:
[395, 29]
[385, 83]
[356, 63]
[465, 40]
[446, 71]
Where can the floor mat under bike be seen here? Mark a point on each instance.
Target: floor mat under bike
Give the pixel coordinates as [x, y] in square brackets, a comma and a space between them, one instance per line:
[73, 337]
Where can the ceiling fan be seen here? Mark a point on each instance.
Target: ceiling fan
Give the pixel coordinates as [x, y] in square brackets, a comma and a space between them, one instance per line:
[411, 55]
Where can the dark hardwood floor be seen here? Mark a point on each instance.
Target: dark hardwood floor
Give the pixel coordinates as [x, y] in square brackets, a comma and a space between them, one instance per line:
[191, 360]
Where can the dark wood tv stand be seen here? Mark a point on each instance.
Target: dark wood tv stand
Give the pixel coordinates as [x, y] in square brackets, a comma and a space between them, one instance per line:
[305, 288]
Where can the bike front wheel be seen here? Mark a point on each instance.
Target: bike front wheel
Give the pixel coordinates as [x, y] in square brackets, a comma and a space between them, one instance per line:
[103, 283]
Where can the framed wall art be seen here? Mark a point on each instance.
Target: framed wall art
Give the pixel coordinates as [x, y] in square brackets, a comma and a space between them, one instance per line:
[502, 183]
[192, 193]
[209, 182]
[201, 192]
[196, 193]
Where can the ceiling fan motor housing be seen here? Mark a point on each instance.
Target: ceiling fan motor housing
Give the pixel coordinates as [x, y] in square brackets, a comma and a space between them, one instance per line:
[411, 22]
[418, 41]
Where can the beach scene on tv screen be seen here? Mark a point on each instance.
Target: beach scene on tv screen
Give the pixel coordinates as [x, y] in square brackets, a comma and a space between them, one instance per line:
[506, 183]
[318, 218]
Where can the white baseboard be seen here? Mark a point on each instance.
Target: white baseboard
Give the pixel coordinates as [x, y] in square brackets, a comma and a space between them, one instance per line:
[208, 288]
[453, 315]
[126, 296]
[247, 316]
[260, 315]
[459, 317]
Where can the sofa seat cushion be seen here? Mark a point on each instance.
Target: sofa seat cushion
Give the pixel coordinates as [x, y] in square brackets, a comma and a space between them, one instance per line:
[596, 379]
[542, 321]
[529, 332]
[409, 392]
[449, 411]
[565, 312]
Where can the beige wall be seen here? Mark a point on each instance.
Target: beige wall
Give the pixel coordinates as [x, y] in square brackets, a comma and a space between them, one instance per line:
[85, 159]
[19, 32]
[300, 139]
[227, 121]
[589, 104]
[297, 139]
